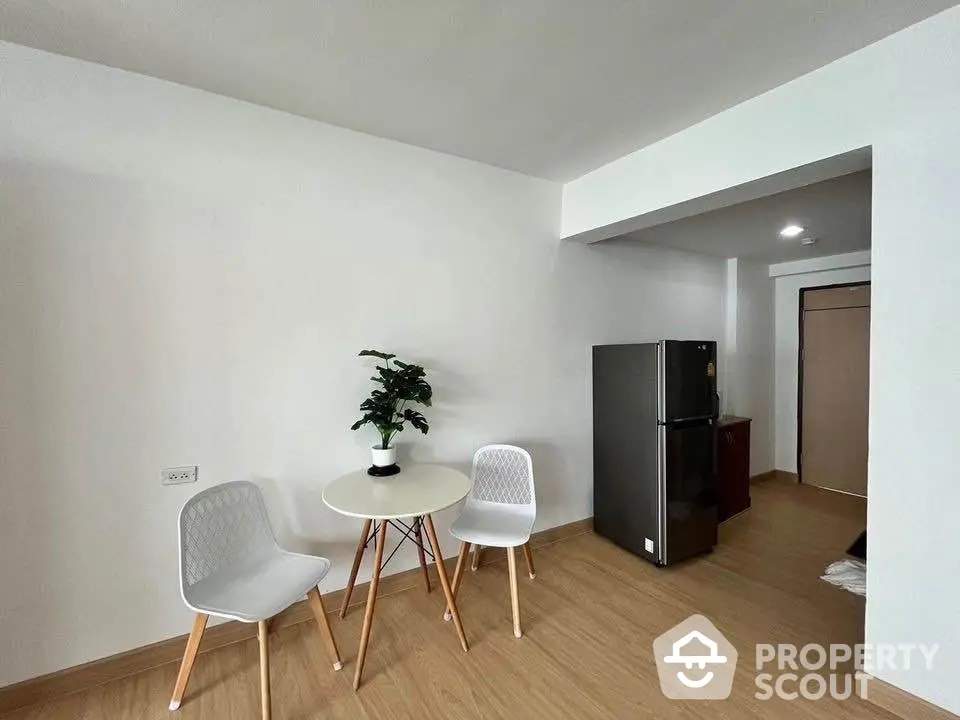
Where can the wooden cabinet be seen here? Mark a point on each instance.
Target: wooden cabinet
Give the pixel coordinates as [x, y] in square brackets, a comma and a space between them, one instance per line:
[733, 466]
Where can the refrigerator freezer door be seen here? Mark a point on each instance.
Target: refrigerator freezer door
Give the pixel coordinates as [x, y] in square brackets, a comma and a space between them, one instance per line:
[689, 380]
[689, 477]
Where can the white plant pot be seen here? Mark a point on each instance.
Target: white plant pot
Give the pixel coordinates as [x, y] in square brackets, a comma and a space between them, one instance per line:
[383, 457]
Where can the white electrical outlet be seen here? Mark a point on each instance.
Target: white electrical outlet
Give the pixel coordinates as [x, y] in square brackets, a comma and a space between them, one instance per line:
[178, 475]
[648, 545]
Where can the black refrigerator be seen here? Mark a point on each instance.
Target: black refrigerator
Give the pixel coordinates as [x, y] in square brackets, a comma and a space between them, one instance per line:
[654, 455]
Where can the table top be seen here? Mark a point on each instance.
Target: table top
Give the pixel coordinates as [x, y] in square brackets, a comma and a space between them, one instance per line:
[416, 490]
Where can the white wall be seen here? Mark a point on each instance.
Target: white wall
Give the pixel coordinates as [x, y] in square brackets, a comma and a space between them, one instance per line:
[858, 258]
[787, 352]
[898, 96]
[752, 371]
[727, 349]
[187, 279]
[746, 367]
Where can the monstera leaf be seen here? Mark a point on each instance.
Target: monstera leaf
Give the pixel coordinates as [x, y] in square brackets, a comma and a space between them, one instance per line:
[398, 384]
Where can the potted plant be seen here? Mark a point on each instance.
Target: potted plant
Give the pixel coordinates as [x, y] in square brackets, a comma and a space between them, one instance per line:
[388, 407]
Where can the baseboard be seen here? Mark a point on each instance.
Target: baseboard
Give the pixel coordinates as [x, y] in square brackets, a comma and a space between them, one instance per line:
[901, 703]
[132, 662]
[774, 475]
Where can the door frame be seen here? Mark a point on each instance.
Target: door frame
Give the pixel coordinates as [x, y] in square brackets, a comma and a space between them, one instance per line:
[859, 283]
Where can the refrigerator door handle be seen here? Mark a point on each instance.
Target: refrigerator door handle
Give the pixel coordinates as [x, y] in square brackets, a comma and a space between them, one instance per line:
[674, 421]
[661, 383]
[662, 494]
[661, 454]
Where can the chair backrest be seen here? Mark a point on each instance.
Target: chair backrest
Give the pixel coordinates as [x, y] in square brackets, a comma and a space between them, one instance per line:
[221, 527]
[503, 474]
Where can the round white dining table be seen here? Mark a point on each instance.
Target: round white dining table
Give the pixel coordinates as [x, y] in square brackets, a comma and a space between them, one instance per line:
[417, 492]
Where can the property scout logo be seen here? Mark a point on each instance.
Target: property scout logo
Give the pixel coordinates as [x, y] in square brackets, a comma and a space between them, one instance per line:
[696, 662]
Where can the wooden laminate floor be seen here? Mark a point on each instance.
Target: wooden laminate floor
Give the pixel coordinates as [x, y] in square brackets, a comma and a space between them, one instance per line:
[589, 620]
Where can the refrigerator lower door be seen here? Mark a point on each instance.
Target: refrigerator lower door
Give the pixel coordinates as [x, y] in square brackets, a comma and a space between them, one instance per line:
[689, 498]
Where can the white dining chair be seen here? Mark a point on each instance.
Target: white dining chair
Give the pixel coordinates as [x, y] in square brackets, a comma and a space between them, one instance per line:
[232, 567]
[499, 512]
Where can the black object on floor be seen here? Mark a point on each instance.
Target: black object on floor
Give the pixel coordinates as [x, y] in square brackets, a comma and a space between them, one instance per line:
[859, 547]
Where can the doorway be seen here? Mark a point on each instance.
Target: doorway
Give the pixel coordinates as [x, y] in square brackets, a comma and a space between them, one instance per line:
[834, 381]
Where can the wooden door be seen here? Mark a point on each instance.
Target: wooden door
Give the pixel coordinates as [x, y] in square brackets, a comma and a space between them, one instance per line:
[835, 380]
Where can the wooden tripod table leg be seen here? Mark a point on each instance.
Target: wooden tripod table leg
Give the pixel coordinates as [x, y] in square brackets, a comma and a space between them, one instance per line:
[418, 524]
[371, 602]
[357, 558]
[457, 575]
[444, 583]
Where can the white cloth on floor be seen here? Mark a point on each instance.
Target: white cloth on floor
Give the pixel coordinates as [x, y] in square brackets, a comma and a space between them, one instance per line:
[851, 575]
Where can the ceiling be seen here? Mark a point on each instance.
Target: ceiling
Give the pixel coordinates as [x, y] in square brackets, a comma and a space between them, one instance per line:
[551, 88]
[836, 212]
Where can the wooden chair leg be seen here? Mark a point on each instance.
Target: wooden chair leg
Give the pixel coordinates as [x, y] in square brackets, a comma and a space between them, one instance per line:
[442, 574]
[458, 574]
[514, 594]
[319, 612]
[371, 602]
[418, 524]
[529, 556]
[357, 558]
[264, 669]
[477, 549]
[189, 655]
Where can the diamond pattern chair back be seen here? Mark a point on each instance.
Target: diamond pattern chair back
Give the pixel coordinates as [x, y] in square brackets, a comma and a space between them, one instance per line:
[221, 527]
[503, 474]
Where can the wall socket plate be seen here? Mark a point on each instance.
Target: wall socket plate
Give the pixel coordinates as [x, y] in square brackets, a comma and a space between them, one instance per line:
[178, 475]
[648, 545]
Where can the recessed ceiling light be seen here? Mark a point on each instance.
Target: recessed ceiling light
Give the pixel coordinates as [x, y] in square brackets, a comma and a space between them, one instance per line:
[791, 231]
